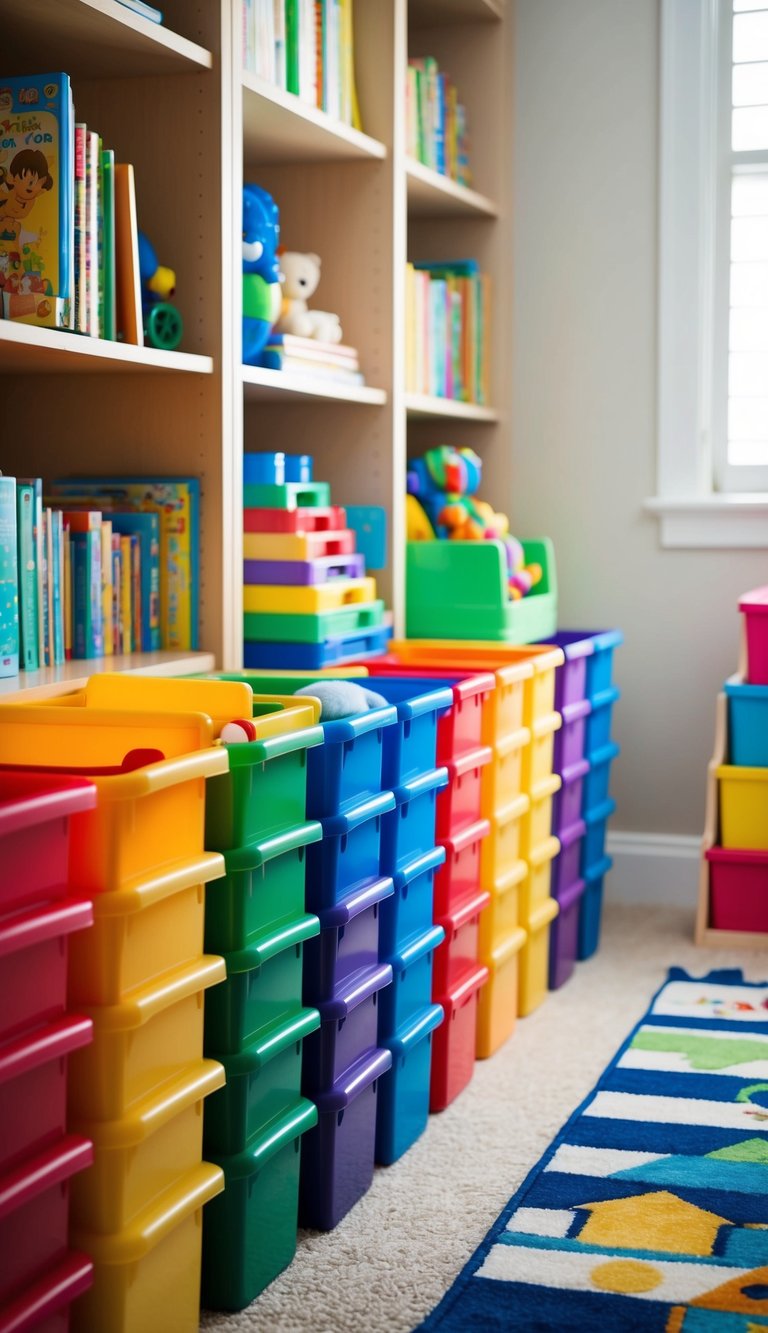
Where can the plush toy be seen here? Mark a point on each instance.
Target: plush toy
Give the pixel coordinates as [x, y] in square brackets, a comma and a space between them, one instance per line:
[261, 273]
[417, 526]
[342, 698]
[300, 277]
[163, 326]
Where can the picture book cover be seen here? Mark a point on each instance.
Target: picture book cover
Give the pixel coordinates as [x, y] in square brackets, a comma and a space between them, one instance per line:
[146, 526]
[26, 524]
[37, 194]
[9, 600]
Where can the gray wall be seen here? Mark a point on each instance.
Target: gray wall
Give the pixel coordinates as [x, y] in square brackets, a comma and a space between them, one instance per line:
[583, 392]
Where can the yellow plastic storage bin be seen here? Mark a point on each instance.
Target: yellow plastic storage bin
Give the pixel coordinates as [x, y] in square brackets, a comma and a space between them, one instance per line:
[536, 884]
[502, 780]
[537, 758]
[501, 917]
[144, 1153]
[141, 1043]
[534, 958]
[498, 998]
[318, 597]
[501, 853]
[504, 707]
[539, 660]
[140, 931]
[147, 1276]
[537, 824]
[221, 700]
[743, 807]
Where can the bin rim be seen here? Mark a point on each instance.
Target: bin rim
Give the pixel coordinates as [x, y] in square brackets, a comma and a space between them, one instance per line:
[54, 1165]
[475, 902]
[469, 983]
[141, 892]
[506, 949]
[420, 865]
[597, 869]
[414, 1031]
[338, 731]
[417, 947]
[572, 893]
[262, 750]
[29, 798]
[271, 942]
[605, 809]
[271, 1042]
[142, 1004]
[354, 1081]
[433, 780]
[371, 807]
[277, 1134]
[157, 1221]
[353, 991]
[196, 1081]
[46, 921]
[542, 915]
[254, 855]
[340, 914]
[51, 1042]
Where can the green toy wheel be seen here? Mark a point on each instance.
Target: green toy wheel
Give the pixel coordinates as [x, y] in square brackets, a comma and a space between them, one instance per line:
[164, 327]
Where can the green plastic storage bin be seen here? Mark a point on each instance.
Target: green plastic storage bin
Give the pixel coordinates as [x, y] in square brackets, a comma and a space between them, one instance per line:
[264, 887]
[289, 495]
[311, 627]
[249, 1231]
[264, 792]
[458, 590]
[263, 987]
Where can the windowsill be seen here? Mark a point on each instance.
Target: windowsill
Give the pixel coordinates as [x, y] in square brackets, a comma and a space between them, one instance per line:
[714, 521]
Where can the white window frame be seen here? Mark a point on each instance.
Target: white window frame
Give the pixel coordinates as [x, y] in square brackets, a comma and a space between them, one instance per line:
[694, 228]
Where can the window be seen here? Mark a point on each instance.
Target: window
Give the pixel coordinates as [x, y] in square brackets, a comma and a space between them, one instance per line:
[713, 274]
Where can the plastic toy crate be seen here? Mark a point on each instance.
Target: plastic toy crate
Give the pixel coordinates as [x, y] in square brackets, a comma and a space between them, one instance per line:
[338, 1154]
[754, 608]
[460, 803]
[142, 930]
[289, 495]
[460, 590]
[264, 793]
[410, 747]
[249, 1231]
[597, 778]
[297, 545]
[409, 830]
[590, 914]
[738, 889]
[743, 807]
[307, 518]
[34, 1206]
[34, 953]
[747, 723]
[564, 935]
[403, 1108]
[272, 599]
[538, 756]
[266, 467]
[348, 942]
[145, 1041]
[349, 855]
[313, 627]
[411, 989]
[503, 779]
[459, 876]
[534, 957]
[571, 684]
[535, 888]
[264, 888]
[566, 865]
[460, 948]
[263, 986]
[263, 1083]
[501, 918]
[596, 819]
[35, 814]
[409, 912]
[349, 1022]
[305, 573]
[537, 823]
[570, 800]
[460, 728]
[599, 720]
[144, 1153]
[45, 1305]
[497, 1002]
[148, 1275]
[570, 741]
[33, 1087]
[453, 1050]
[501, 851]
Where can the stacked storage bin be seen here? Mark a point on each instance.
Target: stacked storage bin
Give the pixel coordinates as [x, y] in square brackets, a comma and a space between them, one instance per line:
[307, 603]
[139, 975]
[39, 1158]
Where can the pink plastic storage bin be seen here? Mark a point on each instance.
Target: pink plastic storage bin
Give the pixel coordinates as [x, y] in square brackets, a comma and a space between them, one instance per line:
[459, 803]
[33, 1087]
[459, 951]
[453, 1053]
[33, 963]
[738, 894]
[44, 1306]
[754, 607]
[459, 876]
[35, 810]
[34, 1213]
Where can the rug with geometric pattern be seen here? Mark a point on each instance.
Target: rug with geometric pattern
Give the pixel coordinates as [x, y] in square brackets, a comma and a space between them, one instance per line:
[649, 1210]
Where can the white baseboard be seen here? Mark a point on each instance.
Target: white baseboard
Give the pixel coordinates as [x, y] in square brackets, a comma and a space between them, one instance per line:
[653, 868]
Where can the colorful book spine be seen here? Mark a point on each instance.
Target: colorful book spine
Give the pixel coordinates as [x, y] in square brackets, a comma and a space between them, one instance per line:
[67, 594]
[81, 300]
[47, 579]
[9, 579]
[126, 600]
[86, 583]
[146, 526]
[108, 223]
[117, 584]
[57, 593]
[26, 522]
[92, 230]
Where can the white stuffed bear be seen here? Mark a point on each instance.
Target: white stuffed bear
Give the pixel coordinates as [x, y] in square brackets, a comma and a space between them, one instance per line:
[299, 275]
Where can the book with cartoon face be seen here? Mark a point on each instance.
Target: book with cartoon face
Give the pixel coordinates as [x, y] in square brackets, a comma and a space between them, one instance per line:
[36, 196]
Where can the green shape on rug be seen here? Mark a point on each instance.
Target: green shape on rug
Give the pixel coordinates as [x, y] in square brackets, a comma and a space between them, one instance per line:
[751, 1150]
[706, 1053]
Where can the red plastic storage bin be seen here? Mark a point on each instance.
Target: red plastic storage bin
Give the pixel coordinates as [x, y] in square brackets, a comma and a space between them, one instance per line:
[459, 876]
[754, 607]
[738, 893]
[33, 1087]
[44, 1306]
[453, 1053]
[459, 951]
[461, 728]
[459, 803]
[34, 1213]
[33, 963]
[35, 809]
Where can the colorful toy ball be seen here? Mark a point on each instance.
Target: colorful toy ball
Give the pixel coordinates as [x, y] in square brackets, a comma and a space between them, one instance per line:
[238, 731]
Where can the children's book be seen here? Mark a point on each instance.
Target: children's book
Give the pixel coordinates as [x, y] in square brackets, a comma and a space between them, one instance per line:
[146, 526]
[126, 595]
[86, 593]
[130, 325]
[9, 600]
[46, 583]
[26, 525]
[57, 599]
[108, 212]
[67, 595]
[92, 230]
[117, 624]
[80, 299]
[146, 11]
[37, 197]
[108, 627]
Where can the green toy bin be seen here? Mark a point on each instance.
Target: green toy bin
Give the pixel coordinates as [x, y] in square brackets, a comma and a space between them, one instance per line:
[264, 792]
[263, 987]
[289, 495]
[311, 627]
[458, 590]
[264, 887]
[249, 1236]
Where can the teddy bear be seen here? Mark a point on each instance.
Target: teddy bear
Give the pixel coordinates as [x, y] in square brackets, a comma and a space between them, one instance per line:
[300, 274]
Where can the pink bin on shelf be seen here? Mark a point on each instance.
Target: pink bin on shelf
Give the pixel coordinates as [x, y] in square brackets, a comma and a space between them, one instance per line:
[738, 889]
[754, 607]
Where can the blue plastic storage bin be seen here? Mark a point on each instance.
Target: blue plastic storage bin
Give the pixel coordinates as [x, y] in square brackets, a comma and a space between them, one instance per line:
[410, 747]
[597, 779]
[411, 989]
[264, 469]
[409, 831]
[347, 768]
[298, 467]
[349, 1022]
[348, 942]
[349, 855]
[590, 911]
[747, 724]
[593, 846]
[333, 651]
[337, 1156]
[409, 912]
[403, 1109]
[600, 662]
[599, 720]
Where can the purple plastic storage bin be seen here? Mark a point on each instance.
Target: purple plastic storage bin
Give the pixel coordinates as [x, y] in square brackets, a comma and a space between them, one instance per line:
[304, 573]
[571, 738]
[349, 856]
[571, 677]
[568, 802]
[409, 912]
[567, 864]
[349, 1023]
[564, 935]
[348, 942]
[597, 781]
[411, 989]
[337, 1155]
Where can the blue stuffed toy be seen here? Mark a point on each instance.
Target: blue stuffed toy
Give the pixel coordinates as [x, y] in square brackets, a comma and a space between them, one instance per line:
[342, 698]
[262, 293]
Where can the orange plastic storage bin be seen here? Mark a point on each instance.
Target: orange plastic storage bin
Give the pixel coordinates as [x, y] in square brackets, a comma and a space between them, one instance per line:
[503, 779]
[537, 761]
[535, 887]
[497, 1001]
[501, 852]
[534, 957]
[537, 824]
[502, 917]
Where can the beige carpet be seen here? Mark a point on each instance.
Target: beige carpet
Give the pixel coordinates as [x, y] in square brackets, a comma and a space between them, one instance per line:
[392, 1258]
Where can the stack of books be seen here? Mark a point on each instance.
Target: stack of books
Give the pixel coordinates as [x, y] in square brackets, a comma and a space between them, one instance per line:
[448, 330]
[436, 121]
[305, 47]
[322, 360]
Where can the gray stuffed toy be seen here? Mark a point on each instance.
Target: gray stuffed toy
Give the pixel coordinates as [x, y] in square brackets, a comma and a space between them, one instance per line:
[342, 698]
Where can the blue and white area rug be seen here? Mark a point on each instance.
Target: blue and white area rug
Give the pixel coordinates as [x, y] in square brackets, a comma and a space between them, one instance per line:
[649, 1210]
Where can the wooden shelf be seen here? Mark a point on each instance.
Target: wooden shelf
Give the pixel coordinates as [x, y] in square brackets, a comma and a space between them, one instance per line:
[431, 194]
[279, 127]
[27, 350]
[423, 13]
[422, 405]
[280, 386]
[51, 681]
[94, 39]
